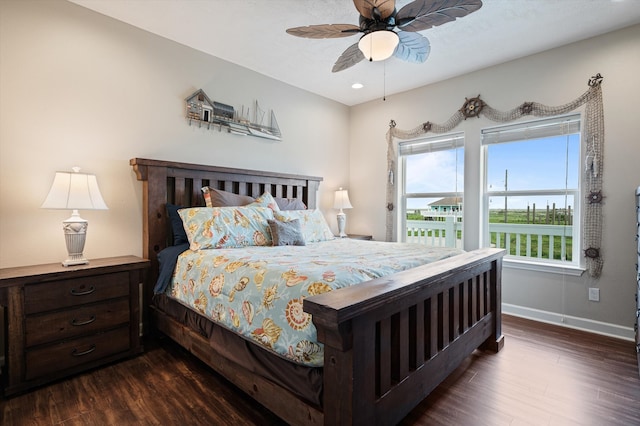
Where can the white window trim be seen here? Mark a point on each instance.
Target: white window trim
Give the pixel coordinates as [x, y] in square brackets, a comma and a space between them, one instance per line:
[541, 266]
[422, 144]
[577, 266]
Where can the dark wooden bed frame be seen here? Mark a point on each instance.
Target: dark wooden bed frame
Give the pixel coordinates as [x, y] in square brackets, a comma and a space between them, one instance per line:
[388, 342]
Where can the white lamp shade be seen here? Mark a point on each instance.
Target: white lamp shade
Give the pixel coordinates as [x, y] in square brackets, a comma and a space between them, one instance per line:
[341, 200]
[74, 191]
[378, 45]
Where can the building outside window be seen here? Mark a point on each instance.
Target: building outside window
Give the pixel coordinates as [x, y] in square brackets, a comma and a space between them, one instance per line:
[431, 191]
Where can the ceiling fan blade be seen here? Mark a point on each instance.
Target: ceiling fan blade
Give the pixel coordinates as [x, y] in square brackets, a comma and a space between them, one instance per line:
[349, 58]
[423, 14]
[325, 31]
[365, 7]
[413, 47]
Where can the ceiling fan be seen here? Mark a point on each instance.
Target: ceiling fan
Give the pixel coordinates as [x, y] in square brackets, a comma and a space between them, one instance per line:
[387, 32]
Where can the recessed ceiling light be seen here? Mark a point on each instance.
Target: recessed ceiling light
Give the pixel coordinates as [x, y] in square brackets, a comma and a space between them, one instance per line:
[357, 86]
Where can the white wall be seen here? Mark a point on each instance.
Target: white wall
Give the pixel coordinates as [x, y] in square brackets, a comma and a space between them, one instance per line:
[553, 78]
[80, 89]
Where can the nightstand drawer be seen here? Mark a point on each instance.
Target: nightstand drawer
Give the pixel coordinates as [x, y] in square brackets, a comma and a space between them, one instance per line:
[73, 292]
[62, 325]
[56, 358]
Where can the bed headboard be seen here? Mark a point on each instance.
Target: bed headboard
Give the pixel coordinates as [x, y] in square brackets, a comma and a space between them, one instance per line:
[179, 183]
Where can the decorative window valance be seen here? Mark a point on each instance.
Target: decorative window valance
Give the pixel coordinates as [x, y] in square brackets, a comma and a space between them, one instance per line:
[593, 139]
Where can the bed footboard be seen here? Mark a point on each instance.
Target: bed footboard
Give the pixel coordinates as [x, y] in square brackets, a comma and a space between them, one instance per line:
[389, 342]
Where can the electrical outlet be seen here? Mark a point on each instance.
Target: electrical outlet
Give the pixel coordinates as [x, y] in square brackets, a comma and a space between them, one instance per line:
[594, 294]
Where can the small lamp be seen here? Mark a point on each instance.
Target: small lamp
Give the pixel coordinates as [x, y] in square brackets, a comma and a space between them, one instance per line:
[378, 45]
[341, 201]
[73, 191]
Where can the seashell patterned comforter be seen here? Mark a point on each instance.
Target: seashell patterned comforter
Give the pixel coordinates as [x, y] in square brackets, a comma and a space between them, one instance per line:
[257, 292]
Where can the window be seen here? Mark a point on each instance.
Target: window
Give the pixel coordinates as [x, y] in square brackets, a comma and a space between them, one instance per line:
[432, 176]
[531, 202]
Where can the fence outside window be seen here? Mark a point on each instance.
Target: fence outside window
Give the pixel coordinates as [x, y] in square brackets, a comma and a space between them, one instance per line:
[536, 241]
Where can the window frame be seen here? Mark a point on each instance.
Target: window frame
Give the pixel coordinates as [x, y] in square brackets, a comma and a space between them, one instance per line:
[421, 145]
[542, 128]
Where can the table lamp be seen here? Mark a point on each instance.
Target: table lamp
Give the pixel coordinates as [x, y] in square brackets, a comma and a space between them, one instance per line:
[74, 191]
[341, 201]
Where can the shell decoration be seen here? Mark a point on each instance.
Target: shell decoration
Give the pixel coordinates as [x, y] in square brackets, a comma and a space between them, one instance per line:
[219, 260]
[318, 288]
[259, 238]
[329, 276]
[215, 287]
[259, 278]
[306, 352]
[201, 303]
[248, 311]
[240, 285]
[270, 296]
[268, 334]
[292, 278]
[296, 317]
[218, 313]
[233, 266]
[235, 318]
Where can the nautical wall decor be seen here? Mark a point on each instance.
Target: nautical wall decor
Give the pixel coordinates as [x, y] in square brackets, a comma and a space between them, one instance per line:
[593, 134]
[203, 111]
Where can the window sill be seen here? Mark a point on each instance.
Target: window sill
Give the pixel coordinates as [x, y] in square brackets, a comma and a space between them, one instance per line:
[554, 268]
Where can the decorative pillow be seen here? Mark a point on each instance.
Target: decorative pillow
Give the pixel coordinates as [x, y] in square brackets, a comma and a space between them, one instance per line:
[313, 224]
[290, 204]
[179, 236]
[266, 200]
[286, 233]
[226, 227]
[218, 198]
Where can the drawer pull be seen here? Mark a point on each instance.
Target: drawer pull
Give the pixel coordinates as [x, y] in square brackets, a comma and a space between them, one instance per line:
[82, 293]
[78, 323]
[87, 352]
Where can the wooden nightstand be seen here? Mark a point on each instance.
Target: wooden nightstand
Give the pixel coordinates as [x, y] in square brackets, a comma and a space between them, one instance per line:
[360, 237]
[63, 320]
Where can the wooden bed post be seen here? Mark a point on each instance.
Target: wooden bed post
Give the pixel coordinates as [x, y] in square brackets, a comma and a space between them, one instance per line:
[155, 225]
[495, 342]
[338, 373]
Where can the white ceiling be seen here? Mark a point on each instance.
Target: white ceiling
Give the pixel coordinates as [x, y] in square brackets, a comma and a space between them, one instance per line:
[251, 33]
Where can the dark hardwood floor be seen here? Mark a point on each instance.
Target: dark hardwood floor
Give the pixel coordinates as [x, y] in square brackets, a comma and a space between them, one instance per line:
[545, 375]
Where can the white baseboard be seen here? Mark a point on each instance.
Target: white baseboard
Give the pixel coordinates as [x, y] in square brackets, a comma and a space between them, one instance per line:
[606, 329]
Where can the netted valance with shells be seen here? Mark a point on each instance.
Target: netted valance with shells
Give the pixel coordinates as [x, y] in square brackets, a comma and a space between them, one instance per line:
[593, 140]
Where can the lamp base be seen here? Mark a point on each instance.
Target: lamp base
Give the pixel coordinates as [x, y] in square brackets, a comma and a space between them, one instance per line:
[342, 219]
[75, 233]
[79, 261]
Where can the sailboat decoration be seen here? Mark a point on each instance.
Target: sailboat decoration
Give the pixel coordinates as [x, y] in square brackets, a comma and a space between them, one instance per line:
[205, 112]
[257, 128]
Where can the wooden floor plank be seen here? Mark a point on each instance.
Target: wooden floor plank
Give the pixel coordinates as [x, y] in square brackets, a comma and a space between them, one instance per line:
[545, 375]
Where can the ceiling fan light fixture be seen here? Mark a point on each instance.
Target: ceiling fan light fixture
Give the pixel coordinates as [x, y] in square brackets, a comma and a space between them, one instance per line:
[378, 45]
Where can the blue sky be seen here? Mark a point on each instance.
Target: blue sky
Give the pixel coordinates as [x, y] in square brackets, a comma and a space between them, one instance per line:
[534, 164]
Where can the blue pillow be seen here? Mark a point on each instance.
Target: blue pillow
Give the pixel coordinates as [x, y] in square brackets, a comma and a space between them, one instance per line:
[286, 233]
[167, 260]
[179, 235]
